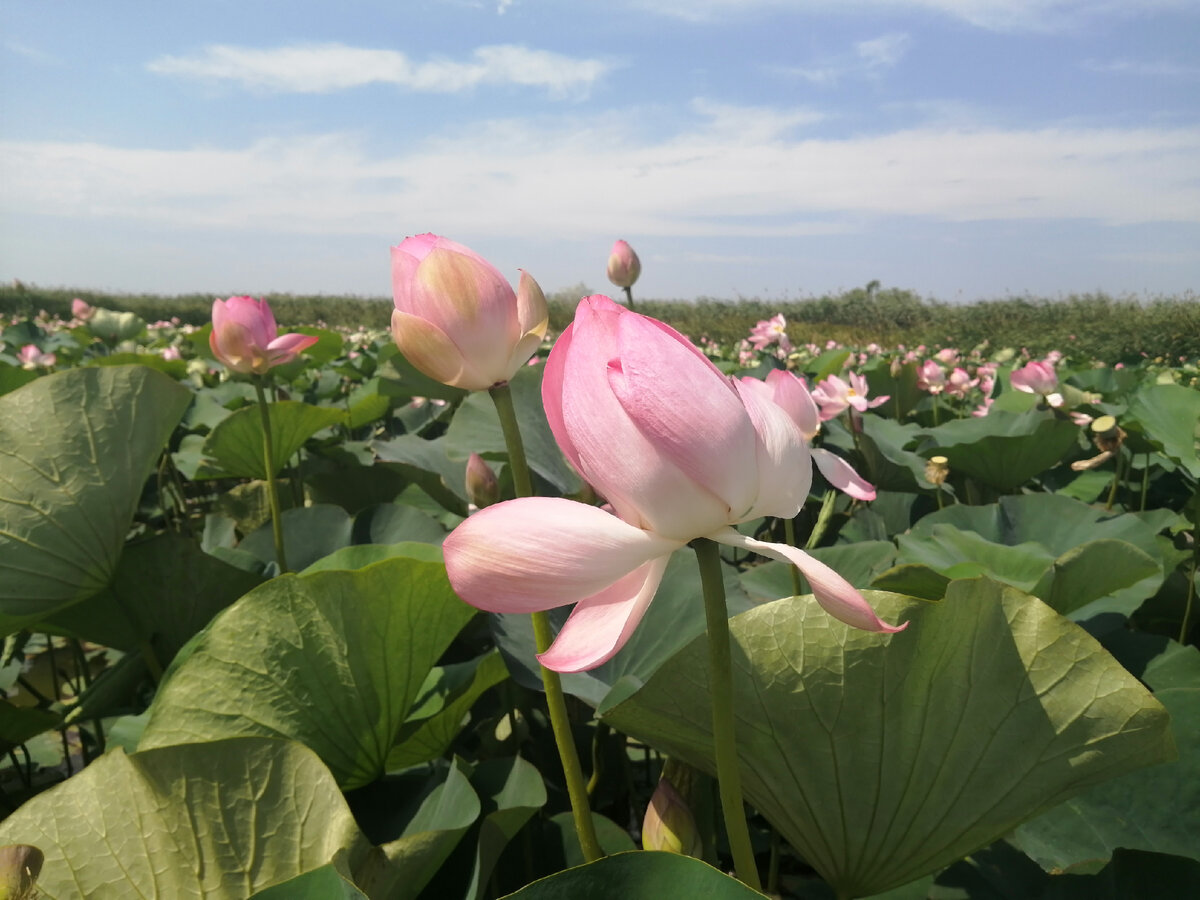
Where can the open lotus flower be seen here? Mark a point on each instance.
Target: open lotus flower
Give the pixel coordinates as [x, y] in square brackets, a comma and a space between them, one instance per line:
[834, 396]
[679, 451]
[245, 337]
[791, 393]
[457, 319]
[931, 377]
[1038, 378]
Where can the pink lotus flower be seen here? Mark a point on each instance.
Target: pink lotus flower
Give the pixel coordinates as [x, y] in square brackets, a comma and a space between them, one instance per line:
[790, 392]
[1038, 378]
[82, 310]
[678, 450]
[171, 353]
[771, 331]
[931, 377]
[983, 408]
[834, 396]
[959, 382]
[624, 267]
[31, 357]
[245, 337]
[457, 319]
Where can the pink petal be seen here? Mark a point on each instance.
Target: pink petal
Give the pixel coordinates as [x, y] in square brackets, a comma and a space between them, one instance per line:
[793, 395]
[783, 472]
[835, 594]
[537, 553]
[285, 347]
[841, 475]
[600, 625]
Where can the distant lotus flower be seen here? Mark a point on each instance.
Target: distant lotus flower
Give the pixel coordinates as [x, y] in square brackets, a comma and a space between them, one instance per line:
[457, 319]
[171, 353]
[834, 396]
[986, 374]
[931, 377]
[81, 310]
[983, 409]
[1038, 378]
[31, 357]
[959, 382]
[624, 267]
[244, 336]
[678, 450]
[947, 355]
[771, 331]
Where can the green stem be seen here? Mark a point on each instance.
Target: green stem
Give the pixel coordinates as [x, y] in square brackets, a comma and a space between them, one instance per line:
[502, 398]
[1145, 481]
[1112, 492]
[269, 468]
[823, 519]
[629, 297]
[1187, 609]
[789, 532]
[935, 410]
[720, 684]
[585, 829]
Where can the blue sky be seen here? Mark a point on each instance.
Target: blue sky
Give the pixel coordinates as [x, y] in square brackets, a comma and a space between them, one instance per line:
[964, 149]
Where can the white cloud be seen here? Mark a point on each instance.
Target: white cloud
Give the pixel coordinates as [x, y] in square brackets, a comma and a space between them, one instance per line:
[322, 68]
[997, 15]
[869, 58]
[588, 177]
[1151, 68]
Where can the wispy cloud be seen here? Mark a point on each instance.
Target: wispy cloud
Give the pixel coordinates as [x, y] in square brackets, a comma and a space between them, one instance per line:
[31, 53]
[868, 58]
[584, 177]
[323, 68]
[1143, 67]
[995, 15]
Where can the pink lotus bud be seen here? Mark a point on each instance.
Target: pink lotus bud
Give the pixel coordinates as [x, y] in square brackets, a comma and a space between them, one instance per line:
[81, 310]
[483, 488]
[31, 357]
[1037, 378]
[624, 267]
[669, 824]
[244, 336]
[457, 319]
[931, 377]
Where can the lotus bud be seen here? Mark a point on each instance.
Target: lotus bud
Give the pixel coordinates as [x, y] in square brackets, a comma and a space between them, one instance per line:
[669, 824]
[483, 488]
[245, 338]
[624, 267]
[937, 468]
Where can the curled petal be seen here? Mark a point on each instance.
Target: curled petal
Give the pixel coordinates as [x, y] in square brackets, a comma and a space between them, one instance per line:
[782, 468]
[537, 553]
[600, 625]
[285, 347]
[835, 594]
[841, 475]
[790, 392]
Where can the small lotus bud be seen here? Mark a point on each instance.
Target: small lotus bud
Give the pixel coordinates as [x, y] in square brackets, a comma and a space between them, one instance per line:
[669, 824]
[936, 469]
[483, 488]
[624, 267]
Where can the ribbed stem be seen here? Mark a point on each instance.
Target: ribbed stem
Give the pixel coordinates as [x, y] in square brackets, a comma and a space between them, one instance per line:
[269, 468]
[720, 686]
[585, 829]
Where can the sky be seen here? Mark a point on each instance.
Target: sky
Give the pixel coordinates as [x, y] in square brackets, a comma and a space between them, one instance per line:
[779, 149]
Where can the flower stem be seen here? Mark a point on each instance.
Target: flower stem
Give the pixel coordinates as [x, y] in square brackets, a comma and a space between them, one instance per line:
[269, 468]
[720, 684]
[789, 531]
[585, 829]
[629, 297]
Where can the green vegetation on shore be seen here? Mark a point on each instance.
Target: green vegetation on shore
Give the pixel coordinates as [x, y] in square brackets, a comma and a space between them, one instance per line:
[1109, 328]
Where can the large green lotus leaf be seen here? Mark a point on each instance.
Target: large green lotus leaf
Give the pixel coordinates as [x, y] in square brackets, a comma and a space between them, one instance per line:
[884, 758]
[324, 883]
[392, 523]
[206, 821]
[76, 448]
[476, 429]
[20, 723]
[13, 377]
[176, 368]
[309, 533]
[1169, 416]
[427, 464]
[512, 791]
[235, 445]
[401, 379]
[1100, 576]
[360, 556]
[1155, 809]
[963, 554]
[890, 467]
[1003, 449]
[1056, 522]
[165, 590]
[437, 716]
[333, 659]
[858, 563]
[675, 616]
[639, 875]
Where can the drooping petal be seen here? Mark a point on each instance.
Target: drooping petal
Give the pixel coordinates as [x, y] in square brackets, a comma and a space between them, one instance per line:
[600, 625]
[841, 475]
[285, 347]
[835, 594]
[790, 392]
[537, 553]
